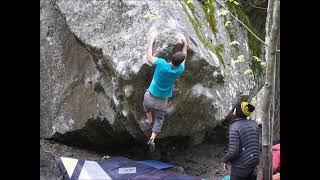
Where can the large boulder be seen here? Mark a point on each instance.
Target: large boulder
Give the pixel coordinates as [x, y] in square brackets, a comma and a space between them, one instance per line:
[49, 169]
[94, 71]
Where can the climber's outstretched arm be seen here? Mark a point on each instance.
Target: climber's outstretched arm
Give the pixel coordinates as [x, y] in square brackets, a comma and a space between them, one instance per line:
[150, 57]
[184, 49]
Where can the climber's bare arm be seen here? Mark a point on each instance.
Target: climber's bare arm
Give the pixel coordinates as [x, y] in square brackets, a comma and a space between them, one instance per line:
[150, 57]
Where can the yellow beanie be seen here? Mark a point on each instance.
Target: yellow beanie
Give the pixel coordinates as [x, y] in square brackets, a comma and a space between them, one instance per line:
[245, 109]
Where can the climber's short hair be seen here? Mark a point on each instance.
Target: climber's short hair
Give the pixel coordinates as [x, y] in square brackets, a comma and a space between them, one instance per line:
[178, 58]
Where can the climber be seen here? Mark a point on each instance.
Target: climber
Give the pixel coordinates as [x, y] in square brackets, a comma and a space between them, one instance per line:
[243, 151]
[160, 89]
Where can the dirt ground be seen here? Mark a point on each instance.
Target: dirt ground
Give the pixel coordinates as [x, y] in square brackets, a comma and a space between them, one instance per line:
[202, 160]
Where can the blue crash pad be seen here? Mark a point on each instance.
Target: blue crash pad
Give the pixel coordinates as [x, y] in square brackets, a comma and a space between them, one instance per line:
[156, 164]
[115, 168]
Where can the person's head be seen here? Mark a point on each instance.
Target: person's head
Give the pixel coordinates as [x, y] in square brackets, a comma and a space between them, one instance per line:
[243, 110]
[275, 140]
[178, 58]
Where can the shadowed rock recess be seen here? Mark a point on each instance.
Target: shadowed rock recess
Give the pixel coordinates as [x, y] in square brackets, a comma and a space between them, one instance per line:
[94, 71]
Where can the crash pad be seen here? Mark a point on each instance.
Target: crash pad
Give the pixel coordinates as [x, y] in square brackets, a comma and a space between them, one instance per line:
[116, 168]
[156, 164]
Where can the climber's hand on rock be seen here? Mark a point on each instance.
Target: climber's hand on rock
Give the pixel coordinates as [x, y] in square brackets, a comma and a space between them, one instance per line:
[152, 38]
[226, 166]
[184, 40]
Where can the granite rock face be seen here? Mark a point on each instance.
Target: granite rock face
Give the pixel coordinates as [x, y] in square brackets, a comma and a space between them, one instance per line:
[94, 71]
[49, 169]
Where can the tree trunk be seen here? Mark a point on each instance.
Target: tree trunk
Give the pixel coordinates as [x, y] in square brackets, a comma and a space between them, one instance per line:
[276, 100]
[267, 124]
[265, 109]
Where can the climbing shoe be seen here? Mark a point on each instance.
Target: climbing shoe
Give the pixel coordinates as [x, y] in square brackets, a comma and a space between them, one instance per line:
[152, 146]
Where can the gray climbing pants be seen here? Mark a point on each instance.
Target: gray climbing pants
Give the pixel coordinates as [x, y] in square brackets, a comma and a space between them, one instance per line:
[158, 107]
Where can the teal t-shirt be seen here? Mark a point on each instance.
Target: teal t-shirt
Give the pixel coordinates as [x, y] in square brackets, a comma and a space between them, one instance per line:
[163, 78]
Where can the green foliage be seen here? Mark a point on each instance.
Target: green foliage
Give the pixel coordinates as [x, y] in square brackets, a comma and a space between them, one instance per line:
[201, 37]
[240, 59]
[233, 1]
[223, 12]
[256, 58]
[208, 9]
[194, 12]
[227, 24]
[219, 48]
[253, 101]
[247, 71]
[234, 43]
[253, 43]
[167, 1]
[236, 3]
[148, 15]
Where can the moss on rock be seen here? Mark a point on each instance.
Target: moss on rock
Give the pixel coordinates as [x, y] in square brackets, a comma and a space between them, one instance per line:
[208, 9]
[254, 44]
[199, 34]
